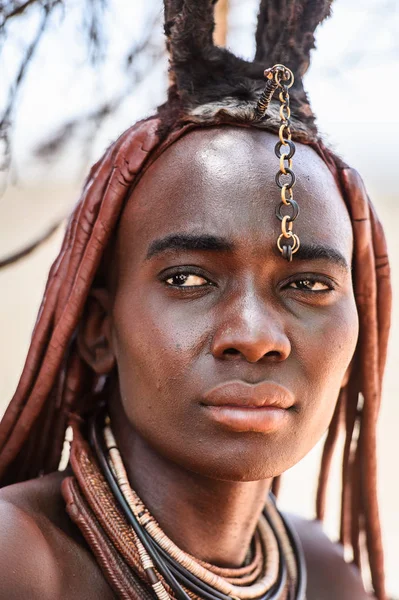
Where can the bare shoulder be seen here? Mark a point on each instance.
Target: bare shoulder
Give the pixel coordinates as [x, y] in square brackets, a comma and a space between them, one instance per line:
[26, 563]
[42, 554]
[329, 576]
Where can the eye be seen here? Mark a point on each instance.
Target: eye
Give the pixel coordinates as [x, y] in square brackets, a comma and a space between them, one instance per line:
[311, 285]
[186, 280]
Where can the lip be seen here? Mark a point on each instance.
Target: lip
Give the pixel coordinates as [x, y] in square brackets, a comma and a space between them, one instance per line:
[242, 406]
[247, 395]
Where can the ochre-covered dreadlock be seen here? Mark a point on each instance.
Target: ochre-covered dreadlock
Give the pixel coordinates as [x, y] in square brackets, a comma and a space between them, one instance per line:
[209, 86]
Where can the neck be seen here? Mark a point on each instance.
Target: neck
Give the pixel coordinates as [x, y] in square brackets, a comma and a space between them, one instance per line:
[210, 519]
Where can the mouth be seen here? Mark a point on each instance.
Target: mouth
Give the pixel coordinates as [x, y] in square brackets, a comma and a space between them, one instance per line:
[240, 406]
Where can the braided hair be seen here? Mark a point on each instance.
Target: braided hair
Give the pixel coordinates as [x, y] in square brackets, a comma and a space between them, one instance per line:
[209, 85]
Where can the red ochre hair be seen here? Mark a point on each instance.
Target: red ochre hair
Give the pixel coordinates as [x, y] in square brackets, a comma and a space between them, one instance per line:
[209, 86]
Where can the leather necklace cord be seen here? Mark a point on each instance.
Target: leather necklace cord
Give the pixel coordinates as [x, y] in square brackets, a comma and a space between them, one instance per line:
[175, 574]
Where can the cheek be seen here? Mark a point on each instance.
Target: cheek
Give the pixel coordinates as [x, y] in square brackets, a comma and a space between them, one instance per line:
[156, 350]
[327, 353]
[327, 342]
[337, 340]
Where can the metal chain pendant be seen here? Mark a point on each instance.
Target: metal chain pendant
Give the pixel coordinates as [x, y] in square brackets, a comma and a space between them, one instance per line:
[280, 77]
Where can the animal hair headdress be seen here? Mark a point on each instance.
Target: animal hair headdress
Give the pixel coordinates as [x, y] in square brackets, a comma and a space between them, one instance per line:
[209, 86]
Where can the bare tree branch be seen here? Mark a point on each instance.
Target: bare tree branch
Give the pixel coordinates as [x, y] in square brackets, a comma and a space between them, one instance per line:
[93, 16]
[135, 64]
[5, 120]
[14, 258]
[93, 120]
[93, 22]
[18, 10]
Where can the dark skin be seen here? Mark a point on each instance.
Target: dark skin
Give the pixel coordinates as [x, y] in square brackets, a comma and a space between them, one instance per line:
[199, 296]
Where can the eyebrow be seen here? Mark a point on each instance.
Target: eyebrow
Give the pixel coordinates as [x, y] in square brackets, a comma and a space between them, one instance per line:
[319, 252]
[193, 242]
[180, 241]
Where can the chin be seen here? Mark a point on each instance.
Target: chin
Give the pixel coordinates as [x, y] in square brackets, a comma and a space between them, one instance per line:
[237, 472]
[243, 464]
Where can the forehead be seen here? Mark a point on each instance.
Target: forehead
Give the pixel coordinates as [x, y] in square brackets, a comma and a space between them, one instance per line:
[221, 181]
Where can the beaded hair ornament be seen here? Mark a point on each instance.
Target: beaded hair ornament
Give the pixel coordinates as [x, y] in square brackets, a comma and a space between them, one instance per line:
[280, 77]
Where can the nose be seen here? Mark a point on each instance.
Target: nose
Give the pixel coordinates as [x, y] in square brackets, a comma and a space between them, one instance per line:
[252, 330]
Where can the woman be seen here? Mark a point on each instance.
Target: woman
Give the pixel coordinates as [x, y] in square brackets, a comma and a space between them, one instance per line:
[196, 358]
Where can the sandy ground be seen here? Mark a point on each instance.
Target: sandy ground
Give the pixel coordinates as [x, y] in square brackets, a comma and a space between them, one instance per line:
[21, 289]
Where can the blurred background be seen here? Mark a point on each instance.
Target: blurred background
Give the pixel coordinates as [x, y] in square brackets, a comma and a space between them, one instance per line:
[75, 75]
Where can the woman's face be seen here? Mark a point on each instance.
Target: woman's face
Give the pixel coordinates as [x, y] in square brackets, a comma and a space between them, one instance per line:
[230, 358]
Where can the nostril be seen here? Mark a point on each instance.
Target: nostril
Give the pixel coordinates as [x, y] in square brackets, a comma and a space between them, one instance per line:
[273, 354]
[231, 351]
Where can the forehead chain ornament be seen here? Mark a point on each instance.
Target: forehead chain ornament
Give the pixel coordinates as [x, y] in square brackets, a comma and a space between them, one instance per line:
[282, 78]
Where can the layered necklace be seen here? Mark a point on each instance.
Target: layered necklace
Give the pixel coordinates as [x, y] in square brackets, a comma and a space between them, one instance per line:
[274, 569]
